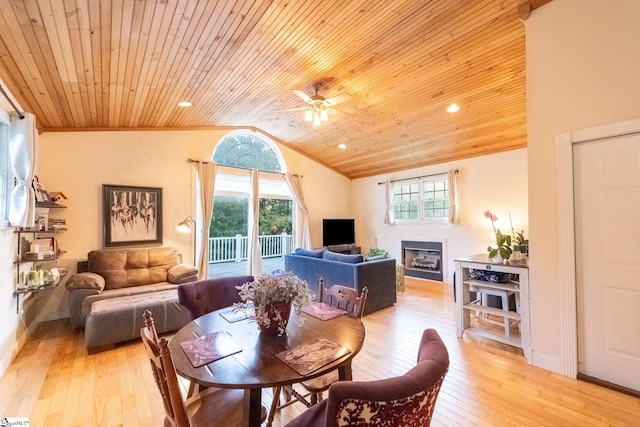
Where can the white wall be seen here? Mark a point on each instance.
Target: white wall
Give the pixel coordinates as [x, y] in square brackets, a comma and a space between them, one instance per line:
[496, 182]
[583, 63]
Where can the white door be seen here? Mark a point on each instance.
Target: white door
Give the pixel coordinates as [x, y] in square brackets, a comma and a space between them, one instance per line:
[607, 222]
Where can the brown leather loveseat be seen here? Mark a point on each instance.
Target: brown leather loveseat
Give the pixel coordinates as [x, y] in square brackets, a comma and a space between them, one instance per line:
[114, 287]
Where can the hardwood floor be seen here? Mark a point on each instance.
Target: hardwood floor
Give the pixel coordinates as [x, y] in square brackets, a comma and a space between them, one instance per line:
[54, 382]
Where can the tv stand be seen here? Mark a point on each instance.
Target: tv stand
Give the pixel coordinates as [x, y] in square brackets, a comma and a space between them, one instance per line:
[350, 249]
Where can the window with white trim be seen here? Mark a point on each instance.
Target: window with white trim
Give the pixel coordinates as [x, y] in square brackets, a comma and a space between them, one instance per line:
[421, 199]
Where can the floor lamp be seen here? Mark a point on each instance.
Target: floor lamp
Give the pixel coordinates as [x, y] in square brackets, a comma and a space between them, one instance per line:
[187, 227]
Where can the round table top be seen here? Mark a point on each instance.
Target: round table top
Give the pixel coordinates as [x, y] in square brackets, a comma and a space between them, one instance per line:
[257, 365]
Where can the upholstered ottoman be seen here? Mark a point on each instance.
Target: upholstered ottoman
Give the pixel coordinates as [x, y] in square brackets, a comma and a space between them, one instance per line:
[115, 320]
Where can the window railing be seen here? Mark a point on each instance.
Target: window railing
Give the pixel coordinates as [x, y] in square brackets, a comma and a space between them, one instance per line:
[236, 248]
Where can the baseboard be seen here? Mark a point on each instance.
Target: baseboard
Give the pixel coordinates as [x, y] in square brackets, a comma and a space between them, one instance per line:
[609, 385]
[548, 362]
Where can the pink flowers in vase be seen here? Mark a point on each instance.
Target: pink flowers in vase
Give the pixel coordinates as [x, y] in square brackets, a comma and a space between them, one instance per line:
[503, 241]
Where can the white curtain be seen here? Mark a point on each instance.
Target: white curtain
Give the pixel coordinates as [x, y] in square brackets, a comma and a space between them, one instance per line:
[22, 158]
[303, 237]
[388, 215]
[454, 207]
[254, 266]
[207, 182]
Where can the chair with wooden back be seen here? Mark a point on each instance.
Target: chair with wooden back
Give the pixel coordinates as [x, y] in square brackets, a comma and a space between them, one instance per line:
[221, 407]
[342, 297]
[409, 399]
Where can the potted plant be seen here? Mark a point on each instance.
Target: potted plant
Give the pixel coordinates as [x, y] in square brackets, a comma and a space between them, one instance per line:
[376, 253]
[521, 243]
[273, 296]
[503, 241]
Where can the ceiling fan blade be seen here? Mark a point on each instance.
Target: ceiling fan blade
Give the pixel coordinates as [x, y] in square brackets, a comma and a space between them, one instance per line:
[302, 95]
[337, 99]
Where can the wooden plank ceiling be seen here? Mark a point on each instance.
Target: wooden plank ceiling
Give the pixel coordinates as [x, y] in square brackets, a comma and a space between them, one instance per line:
[91, 64]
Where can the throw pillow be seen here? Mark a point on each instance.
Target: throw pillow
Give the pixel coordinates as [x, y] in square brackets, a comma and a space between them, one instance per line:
[85, 280]
[306, 252]
[351, 259]
[182, 273]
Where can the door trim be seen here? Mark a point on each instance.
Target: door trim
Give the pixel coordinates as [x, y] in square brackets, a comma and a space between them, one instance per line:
[566, 234]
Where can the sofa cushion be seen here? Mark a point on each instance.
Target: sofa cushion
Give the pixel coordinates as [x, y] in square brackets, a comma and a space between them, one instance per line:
[85, 281]
[375, 257]
[87, 302]
[136, 267]
[182, 273]
[306, 252]
[350, 259]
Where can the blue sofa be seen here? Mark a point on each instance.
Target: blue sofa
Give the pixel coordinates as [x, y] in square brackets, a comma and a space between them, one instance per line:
[379, 276]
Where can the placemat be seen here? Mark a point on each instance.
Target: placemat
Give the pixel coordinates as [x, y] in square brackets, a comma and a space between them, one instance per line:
[209, 348]
[307, 358]
[323, 311]
[232, 315]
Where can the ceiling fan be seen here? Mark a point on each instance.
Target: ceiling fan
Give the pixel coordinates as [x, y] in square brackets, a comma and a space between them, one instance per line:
[317, 109]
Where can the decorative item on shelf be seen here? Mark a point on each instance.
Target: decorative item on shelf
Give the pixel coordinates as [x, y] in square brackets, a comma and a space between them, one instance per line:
[520, 244]
[273, 296]
[57, 197]
[42, 219]
[57, 224]
[41, 193]
[503, 242]
[40, 276]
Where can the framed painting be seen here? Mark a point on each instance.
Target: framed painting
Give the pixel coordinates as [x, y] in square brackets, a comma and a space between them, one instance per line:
[131, 215]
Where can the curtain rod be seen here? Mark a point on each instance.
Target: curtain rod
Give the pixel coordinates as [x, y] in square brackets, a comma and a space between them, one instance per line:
[15, 108]
[236, 167]
[417, 177]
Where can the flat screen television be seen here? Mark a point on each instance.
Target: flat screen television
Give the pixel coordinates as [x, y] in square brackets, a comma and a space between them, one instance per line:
[338, 232]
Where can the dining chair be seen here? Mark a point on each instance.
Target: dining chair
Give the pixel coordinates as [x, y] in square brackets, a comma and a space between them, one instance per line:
[409, 399]
[338, 296]
[214, 407]
[205, 296]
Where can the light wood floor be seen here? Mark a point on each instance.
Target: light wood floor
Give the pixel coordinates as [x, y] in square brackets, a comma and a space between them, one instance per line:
[55, 383]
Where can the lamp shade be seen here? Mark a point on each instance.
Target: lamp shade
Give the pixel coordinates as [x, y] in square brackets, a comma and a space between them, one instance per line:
[185, 226]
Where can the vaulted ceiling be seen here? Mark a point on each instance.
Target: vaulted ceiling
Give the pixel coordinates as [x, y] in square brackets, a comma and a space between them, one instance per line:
[90, 64]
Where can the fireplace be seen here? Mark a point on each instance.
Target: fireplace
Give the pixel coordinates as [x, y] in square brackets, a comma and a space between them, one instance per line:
[422, 259]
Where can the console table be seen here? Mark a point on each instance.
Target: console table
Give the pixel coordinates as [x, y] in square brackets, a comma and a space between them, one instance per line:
[518, 287]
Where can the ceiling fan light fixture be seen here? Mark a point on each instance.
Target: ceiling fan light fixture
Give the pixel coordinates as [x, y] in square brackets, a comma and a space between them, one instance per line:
[323, 115]
[308, 114]
[184, 104]
[316, 119]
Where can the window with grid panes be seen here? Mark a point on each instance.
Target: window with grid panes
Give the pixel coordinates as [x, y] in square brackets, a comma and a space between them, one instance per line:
[406, 198]
[421, 199]
[435, 198]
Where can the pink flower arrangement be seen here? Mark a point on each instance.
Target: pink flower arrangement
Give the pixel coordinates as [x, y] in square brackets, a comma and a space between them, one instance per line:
[503, 241]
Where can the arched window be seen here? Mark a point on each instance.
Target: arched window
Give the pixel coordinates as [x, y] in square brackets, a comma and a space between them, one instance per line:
[248, 150]
[236, 154]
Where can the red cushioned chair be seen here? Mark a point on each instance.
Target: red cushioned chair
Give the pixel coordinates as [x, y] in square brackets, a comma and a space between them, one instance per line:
[405, 400]
[205, 296]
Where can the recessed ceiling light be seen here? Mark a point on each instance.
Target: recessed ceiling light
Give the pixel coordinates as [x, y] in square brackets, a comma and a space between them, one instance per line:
[184, 104]
[453, 108]
[342, 146]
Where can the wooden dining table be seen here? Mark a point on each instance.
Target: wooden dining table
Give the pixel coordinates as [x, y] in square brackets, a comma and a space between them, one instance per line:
[256, 366]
